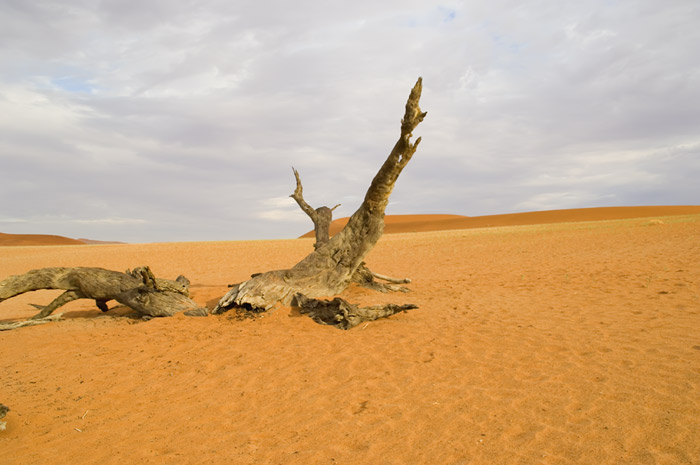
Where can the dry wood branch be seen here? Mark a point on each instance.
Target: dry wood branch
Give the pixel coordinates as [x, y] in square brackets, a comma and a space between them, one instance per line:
[138, 289]
[298, 196]
[20, 324]
[321, 216]
[342, 314]
[389, 279]
[366, 278]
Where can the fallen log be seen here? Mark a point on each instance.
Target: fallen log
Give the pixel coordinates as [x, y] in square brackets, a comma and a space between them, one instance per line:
[139, 290]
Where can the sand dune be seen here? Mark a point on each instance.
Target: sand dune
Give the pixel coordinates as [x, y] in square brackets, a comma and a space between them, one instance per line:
[422, 223]
[567, 344]
[9, 240]
[13, 240]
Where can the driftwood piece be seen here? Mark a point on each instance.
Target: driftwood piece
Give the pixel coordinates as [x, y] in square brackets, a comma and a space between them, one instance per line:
[329, 269]
[342, 314]
[137, 289]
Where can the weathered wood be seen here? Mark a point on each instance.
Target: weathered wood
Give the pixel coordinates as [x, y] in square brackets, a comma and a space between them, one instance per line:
[366, 278]
[30, 322]
[329, 269]
[322, 218]
[137, 289]
[342, 314]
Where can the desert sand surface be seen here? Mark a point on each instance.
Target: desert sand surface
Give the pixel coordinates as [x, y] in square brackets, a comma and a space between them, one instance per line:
[569, 343]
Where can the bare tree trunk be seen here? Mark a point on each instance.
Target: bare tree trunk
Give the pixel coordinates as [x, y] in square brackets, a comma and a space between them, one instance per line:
[330, 268]
[322, 218]
[137, 289]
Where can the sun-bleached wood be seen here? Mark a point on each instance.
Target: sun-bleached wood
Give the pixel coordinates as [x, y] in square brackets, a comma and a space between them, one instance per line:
[138, 289]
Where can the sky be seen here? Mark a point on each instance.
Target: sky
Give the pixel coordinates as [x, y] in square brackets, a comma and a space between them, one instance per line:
[161, 120]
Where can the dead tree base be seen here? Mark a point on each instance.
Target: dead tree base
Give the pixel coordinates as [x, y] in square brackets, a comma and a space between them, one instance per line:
[342, 314]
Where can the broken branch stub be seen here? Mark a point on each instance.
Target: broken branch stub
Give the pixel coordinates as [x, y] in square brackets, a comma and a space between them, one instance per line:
[322, 217]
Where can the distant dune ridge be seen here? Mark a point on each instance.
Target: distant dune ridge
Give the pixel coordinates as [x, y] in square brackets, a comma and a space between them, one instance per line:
[425, 223]
[11, 240]
[35, 239]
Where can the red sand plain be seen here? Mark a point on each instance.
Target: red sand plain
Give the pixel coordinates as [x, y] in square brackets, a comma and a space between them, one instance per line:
[569, 343]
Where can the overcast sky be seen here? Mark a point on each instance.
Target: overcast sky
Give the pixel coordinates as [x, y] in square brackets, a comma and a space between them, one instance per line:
[145, 121]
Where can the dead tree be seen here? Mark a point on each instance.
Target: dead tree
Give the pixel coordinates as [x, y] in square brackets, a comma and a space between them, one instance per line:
[330, 268]
[322, 217]
[137, 289]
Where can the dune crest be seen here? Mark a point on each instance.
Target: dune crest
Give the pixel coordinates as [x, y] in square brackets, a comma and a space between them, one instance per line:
[10, 240]
[425, 223]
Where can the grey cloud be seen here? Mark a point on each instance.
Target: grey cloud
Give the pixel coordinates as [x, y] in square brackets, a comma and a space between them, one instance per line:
[183, 119]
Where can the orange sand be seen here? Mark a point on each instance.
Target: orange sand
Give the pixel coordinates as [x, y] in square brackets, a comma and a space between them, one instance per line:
[573, 343]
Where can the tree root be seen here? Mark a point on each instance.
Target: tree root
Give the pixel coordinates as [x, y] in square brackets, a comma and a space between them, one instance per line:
[342, 314]
[367, 279]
